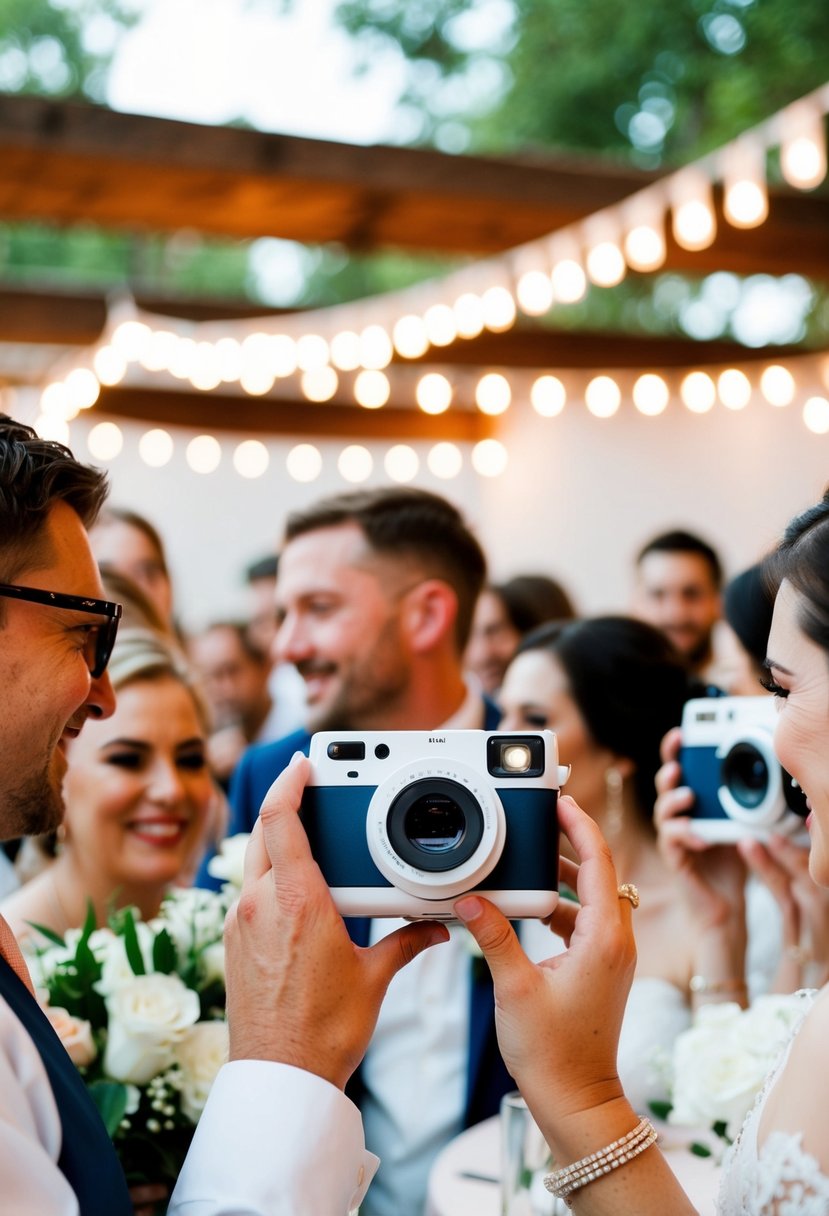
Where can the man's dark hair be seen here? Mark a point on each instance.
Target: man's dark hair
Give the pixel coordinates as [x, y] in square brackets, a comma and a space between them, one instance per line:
[36, 473]
[684, 542]
[409, 525]
[532, 599]
[263, 567]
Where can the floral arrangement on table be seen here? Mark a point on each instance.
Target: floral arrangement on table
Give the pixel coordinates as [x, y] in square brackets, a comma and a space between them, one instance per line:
[140, 1008]
[719, 1065]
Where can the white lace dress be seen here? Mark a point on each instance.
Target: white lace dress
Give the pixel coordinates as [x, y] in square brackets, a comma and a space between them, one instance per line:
[779, 1180]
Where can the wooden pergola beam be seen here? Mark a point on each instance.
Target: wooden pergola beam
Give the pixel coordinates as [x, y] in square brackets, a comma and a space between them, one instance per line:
[68, 163]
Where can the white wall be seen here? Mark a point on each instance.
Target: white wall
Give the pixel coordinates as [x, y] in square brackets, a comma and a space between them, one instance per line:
[579, 496]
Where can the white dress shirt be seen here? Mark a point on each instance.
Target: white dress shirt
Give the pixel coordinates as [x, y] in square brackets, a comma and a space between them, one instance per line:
[273, 1141]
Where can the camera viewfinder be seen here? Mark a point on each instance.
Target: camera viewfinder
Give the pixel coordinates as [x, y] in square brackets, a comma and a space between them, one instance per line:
[515, 755]
[349, 750]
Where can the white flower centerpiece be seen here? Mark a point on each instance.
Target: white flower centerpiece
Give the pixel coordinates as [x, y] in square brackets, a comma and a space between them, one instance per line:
[140, 1007]
[721, 1062]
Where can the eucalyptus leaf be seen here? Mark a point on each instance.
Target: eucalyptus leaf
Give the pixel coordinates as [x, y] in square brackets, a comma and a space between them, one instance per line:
[110, 1097]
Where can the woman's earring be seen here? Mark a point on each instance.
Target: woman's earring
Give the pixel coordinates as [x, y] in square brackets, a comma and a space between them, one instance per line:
[614, 803]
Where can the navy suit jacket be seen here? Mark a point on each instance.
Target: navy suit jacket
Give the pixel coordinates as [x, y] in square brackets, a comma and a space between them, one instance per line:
[487, 1079]
[87, 1158]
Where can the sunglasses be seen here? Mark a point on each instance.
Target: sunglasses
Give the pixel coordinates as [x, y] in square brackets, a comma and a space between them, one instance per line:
[100, 638]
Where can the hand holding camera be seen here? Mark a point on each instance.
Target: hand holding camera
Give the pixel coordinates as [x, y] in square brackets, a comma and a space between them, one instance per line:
[403, 823]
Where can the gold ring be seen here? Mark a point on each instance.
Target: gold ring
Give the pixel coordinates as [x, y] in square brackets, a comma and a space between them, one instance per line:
[628, 891]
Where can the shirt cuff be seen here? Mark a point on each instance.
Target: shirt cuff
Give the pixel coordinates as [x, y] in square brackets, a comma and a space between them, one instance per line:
[275, 1140]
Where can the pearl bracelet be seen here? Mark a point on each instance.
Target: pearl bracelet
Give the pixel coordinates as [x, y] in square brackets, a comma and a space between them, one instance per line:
[701, 986]
[563, 1182]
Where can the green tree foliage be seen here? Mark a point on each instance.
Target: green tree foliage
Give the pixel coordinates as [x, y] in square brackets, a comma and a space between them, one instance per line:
[655, 82]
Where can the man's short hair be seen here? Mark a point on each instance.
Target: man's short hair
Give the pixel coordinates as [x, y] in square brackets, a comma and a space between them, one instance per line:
[684, 542]
[408, 524]
[263, 567]
[249, 648]
[35, 474]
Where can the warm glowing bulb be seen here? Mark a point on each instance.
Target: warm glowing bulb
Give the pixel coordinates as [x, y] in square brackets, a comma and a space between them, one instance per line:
[110, 366]
[441, 325]
[345, 350]
[82, 388]
[155, 448]
[469, 315]
[410, 337]
[256, 356]
[698, 392]
[694, 224]
[183, 360]
[203, 454]
[54, 400]
[251, 458]
[319, 383]
[493, 393]
[489, 458]
[569, 281]
[52, 426]
[283, 355]
[304, 462]
[816, 415]
[207, 372]
[355, 463]
[105, 441]
[650, 394]
[803, 160]
[311, 352]
[445, 460]
[433, 393]
[602, 397]
[229, 359]
[777, 385]
[376, 348]
[131, 339]
[645, 248]
[371, 389]
[605, 264]
[746, 204]
[401, 462]
[534, 291]
[159, 351]
[498, 309]
[548, 396]
[734, 388]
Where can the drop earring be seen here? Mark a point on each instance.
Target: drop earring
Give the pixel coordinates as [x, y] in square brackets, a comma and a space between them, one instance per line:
[614, 803]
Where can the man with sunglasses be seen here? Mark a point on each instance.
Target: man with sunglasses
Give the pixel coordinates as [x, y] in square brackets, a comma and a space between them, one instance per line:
[278, 1135]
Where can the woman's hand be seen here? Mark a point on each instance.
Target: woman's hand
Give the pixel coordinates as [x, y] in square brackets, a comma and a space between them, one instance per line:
[784, 867]
[558, 1022]
[713, 876]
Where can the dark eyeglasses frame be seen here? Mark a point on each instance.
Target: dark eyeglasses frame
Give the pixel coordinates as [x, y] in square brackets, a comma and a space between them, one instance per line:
[100, 640]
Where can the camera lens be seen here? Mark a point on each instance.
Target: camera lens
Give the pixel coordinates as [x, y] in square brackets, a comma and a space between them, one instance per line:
[746, 775]
[434, 823]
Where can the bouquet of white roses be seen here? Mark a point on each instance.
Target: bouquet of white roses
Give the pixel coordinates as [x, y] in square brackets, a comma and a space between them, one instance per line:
[721, 1062]
[140, 1009]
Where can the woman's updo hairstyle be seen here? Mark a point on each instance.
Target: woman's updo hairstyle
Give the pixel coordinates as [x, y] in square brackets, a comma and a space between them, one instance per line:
[802, 558]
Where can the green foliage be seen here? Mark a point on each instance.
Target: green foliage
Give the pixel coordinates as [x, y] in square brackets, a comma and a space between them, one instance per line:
[110, 1097]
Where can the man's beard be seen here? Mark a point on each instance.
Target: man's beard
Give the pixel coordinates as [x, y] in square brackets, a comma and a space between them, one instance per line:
[364, 696]
[32, 807]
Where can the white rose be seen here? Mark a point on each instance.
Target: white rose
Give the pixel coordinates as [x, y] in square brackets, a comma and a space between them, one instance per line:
[229, 863]
[200, 1053]
[147, 1014]
[109, 948]
[74, 1033]
[213, 962]
[193, 918]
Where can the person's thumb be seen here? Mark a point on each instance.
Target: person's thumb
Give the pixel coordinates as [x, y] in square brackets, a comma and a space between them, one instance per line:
[494, 934]
[392, 953]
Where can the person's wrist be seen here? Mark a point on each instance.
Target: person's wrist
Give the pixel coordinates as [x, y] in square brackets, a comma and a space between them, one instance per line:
[576, 1133]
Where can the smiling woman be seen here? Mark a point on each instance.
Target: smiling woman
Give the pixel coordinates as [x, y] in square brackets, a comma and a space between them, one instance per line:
[138, 796]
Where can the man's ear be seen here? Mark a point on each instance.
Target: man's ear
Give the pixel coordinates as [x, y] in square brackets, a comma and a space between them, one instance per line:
[429, 614]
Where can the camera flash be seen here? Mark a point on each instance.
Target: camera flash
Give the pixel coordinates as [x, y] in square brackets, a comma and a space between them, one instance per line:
[516, 757]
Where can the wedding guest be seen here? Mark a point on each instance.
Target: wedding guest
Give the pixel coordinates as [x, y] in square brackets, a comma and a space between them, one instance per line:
[504, 613]
[678, 586]
[559, 1022]
[138, 795]
[610, 688]
[276, 1110]
[131, 545]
